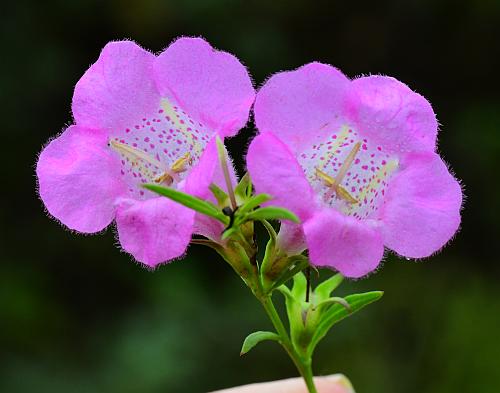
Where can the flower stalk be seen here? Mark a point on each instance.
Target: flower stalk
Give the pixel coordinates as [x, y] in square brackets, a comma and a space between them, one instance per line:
[303, 365]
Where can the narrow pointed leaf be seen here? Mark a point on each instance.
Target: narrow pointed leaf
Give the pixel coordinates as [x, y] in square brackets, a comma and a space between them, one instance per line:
[272, 213]
[228, 233]
[190, 201]
[253, 202]
[270, 230]
[333, 300]
[244, 188]
[324, 289]
[223, 160]
[254, 338]
[220, 195]
[270, 254]
[338, 312]
[294, 313]
[299, 286]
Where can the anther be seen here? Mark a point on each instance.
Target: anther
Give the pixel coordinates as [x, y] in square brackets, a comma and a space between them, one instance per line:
[334, 183]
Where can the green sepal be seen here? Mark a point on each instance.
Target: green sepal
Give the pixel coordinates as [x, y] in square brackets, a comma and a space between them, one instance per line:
[253, 202]
[220, 195]
[338, 312]
[256, 337]
[294, 265]
[272, 213]
[299, 286]
[243, 190]
[295, 314]
[323, 290]
[270, 253]
[270, 230]
[189, 201]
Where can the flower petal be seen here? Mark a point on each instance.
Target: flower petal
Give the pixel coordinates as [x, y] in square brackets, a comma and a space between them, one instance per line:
[422, 207]
[351, 246]
[297, 105]
[212, 86]
[118, 89]
[274, 170]
[155, 230]
[208, 171]
[79, 179]
[391, 114]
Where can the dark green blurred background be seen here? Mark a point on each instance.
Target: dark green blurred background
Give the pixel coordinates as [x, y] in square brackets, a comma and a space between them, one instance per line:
[76, 315]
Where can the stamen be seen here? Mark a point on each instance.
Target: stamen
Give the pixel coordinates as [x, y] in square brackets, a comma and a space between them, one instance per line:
[334, 183]
[347, 163]
[166, 176]
[135, 154]
[329, 181]
[181, 164]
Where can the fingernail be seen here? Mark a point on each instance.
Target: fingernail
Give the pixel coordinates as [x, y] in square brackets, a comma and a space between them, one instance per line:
[341, 383]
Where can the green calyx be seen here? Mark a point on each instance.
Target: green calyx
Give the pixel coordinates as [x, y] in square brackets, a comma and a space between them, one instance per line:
[311, 320]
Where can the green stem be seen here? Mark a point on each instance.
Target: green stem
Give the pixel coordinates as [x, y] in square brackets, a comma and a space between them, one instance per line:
[303, 365]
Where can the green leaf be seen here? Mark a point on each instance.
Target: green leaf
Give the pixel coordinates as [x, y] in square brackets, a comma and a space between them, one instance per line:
[190, 201]
[253, 202]
[324, 289]
[272, 213]
[333, 300]
[244, 188]
[254, 338]
[219, 194]
[338, 312]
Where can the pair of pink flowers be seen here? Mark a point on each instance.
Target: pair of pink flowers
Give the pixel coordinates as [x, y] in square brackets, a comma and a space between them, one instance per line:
[355, 160]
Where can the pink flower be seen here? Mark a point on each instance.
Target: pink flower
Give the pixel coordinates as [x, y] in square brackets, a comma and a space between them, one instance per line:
[144, 118]
[356, 161]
